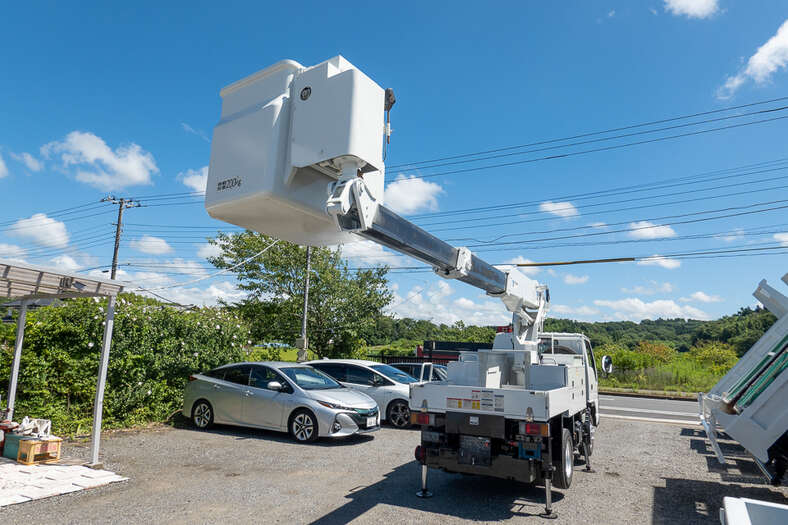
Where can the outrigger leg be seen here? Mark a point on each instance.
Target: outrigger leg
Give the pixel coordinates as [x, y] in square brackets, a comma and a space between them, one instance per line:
[424, 493]
[548, 481]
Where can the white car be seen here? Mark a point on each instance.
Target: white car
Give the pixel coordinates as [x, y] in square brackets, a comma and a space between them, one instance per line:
[383, 383]
[280, 396]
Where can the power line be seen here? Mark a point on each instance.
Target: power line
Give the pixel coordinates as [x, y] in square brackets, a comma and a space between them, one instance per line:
[681, 215]
[698, 178]
[595, 150]
[616, 209]
[605, 139]
[588, 134]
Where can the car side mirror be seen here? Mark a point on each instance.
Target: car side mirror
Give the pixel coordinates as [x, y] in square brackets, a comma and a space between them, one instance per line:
[607, 364]
[275, 385]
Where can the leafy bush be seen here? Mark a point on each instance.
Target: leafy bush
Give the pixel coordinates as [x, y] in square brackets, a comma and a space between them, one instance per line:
[719, 357]
[655, 366]
[154, 350]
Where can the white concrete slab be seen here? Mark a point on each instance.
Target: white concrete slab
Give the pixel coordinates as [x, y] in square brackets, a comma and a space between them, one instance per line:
[21, 483]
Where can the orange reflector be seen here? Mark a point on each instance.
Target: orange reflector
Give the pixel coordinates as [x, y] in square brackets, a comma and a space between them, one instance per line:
[536, 429]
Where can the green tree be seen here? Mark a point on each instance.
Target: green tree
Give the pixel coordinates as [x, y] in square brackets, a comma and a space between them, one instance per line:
[343, 305]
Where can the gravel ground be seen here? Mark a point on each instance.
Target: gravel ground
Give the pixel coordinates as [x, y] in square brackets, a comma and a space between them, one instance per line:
[645, 473]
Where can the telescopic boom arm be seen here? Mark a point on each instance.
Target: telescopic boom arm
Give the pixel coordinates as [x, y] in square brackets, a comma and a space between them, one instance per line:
[355, 210]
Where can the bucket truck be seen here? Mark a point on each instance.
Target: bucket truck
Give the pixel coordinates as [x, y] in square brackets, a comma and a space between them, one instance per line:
[298, 155]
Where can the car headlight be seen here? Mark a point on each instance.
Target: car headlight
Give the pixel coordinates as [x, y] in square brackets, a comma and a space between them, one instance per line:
[334, 406]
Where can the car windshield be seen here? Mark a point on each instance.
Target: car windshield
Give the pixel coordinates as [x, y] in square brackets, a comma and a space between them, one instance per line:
[310, 379]
[392, 373]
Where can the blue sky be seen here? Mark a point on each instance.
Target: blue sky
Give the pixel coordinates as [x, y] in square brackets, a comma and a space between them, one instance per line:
[122, 99]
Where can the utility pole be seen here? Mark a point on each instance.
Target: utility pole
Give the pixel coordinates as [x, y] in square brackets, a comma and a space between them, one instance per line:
[302, 341]
[122, 203]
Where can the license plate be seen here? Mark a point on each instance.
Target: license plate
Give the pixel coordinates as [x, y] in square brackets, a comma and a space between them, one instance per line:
[371, 421]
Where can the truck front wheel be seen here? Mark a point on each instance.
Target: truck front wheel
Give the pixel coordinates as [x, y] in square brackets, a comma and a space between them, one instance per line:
[564, 461]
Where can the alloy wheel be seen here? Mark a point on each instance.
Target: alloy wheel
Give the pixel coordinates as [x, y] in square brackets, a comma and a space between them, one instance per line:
[399, 415]
[202, 415]
[303, 427]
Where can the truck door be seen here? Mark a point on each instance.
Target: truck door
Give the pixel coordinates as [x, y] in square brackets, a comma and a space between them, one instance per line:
[592, 381]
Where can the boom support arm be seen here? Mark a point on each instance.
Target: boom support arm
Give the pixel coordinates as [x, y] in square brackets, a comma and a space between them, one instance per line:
[355, 210]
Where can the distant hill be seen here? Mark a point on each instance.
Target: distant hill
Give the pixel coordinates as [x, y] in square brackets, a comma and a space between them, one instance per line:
[740, 330]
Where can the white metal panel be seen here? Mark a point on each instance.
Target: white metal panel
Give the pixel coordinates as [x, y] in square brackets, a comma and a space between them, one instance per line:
[21, 280]
[513, 402]
[274, 152]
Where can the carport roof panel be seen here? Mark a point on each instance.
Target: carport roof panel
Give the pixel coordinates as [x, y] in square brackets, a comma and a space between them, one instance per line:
[25, 280]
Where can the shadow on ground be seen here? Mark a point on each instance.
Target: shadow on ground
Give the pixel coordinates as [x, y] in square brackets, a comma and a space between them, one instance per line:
[739, 466]
[455, 495]
[696, 501]
[692, 501]
[243, 433]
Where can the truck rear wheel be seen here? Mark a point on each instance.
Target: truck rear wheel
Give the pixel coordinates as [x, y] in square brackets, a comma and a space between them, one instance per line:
[564, 461]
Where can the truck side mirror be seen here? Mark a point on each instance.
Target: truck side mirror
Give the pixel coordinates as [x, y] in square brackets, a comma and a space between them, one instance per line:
[607, 364]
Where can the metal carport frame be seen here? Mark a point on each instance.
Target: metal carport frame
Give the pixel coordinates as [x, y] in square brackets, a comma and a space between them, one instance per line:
[26, 283]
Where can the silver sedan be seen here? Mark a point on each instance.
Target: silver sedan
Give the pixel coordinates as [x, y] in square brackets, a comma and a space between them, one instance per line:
[281, 396]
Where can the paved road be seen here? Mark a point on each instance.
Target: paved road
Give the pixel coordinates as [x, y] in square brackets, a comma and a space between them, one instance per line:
[666, 410]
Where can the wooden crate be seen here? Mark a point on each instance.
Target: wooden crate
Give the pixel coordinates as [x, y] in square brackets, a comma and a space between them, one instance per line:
[39, 451]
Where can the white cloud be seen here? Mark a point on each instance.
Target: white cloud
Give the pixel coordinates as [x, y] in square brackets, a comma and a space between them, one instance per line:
[611, 13]
[65, 263]
[208, 295]
[653, 11]
[692, 8]
[525, 270]
[190, 269]
[652, 288]
[100, 166]
[411, 195]
[634, 309]
[437, 303]
[598, 225]
[32, 163]
[195, 179]
[649, 230]
[733, 235]
[575, 279]
[11, 251]
[41, 230]
[370, 253]
[151, 245]
[770, 57]
[188, 129]
[658, 260]
[782, 238]
[208, 250]
[565, 311]
[701, 298]
[560, 209]
[3, 168]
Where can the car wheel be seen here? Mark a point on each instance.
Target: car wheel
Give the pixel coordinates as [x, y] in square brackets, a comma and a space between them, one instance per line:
[202, 414]
[303, 426]
[564, 461]
[399, 414]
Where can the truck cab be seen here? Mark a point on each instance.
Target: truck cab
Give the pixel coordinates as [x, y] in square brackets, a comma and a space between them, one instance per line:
[552, 345]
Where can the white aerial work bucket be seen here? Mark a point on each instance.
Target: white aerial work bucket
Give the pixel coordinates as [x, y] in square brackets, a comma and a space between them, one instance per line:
[285, 133]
